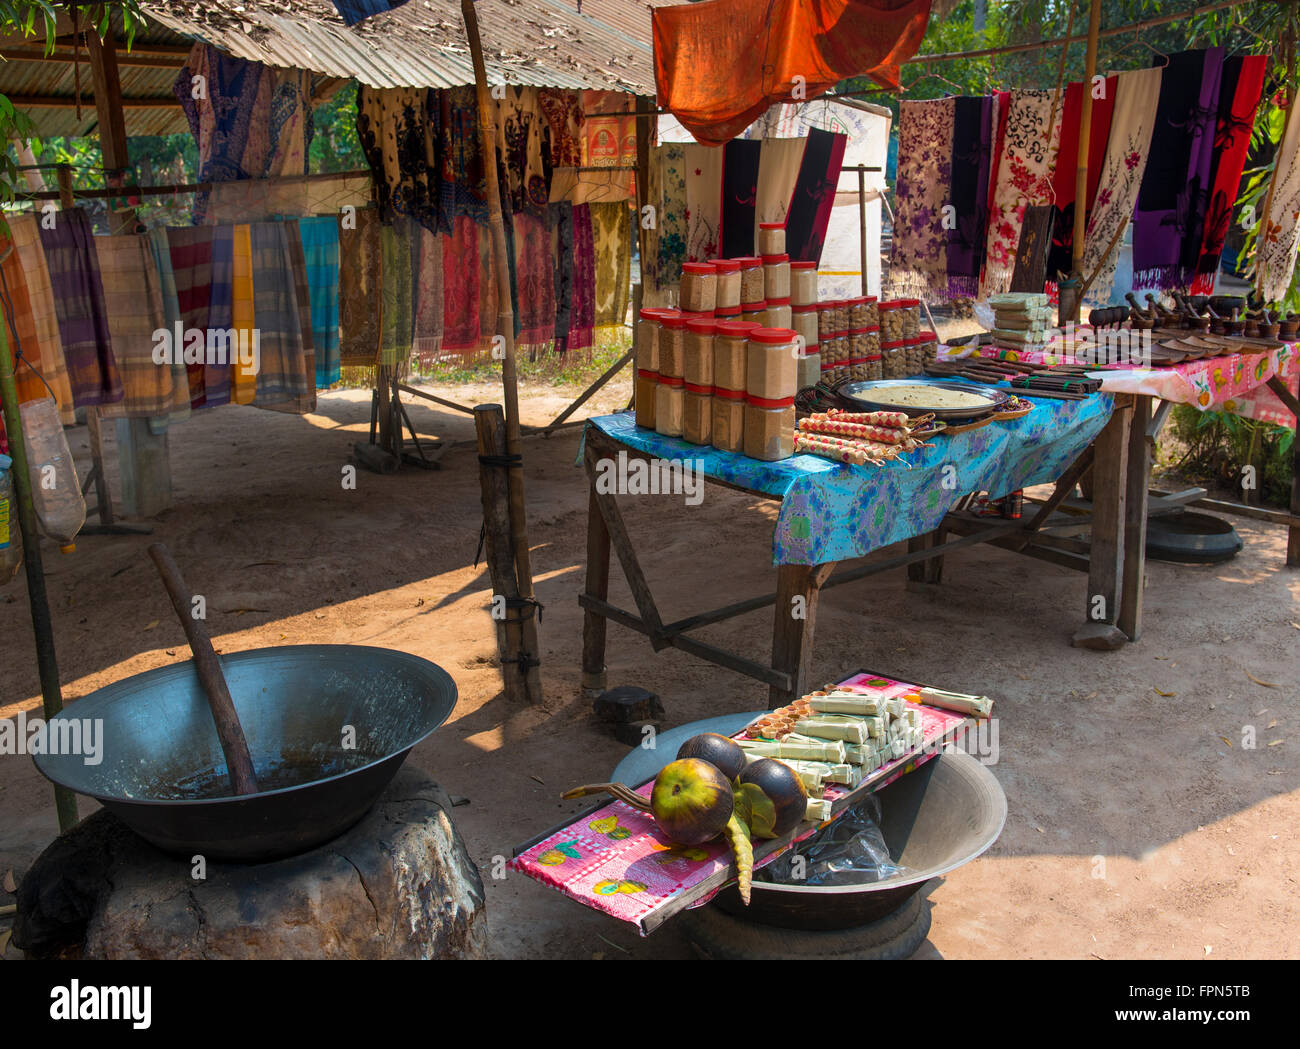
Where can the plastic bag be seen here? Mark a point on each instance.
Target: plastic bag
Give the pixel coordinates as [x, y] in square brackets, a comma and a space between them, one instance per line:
[851, 851]
[56, 492]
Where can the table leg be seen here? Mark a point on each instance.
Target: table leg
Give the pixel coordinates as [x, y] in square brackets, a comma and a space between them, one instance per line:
[1135, 520]
[594, 625]
[794, 624]
[1110, 492]
[928, 571]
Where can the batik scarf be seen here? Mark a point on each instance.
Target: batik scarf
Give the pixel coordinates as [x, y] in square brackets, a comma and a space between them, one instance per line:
[1025, 166]
[740, 162]
[26, 233]
[919, 257]
[563, 112]
[460, 286]
[1169, 222]
[583, 323]
[1276, 253]
[1243, 81]
[703, 171]
[1122, 176]
[1061, 256]
[673, 227]
[426, 289]
[522, 134]
[73, 264]
[400, 137]
[464, 175]
[536, 280]
[360, 286]
[612, 238]
[562, 252]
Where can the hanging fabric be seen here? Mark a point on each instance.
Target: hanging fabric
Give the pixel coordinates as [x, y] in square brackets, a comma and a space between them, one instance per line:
[133, 303]
[400, 136]
[778, 170]
[217, 383]
[972, 142]
[1026, 164]
[73, 263]
[320, 248]
[535, 267]
[20, 322]
[464, 174]
[426, 289]
[27, 239]
[1169, 222]
[1123, 173]
[562, 252]
[719, 64]
[671, 216]
[1064, 183]
[564, 119]
[296, 259]
[160, 248]
[703, 201]
[192, 271]
[919, 257]
[1275, 253]
[281, 373]
[1030, 273]
[814, 195]
[609, 136]
[243, 311]
[360, 287]
[523, 141]
[740, 163]
[612, 240]
[1239, 95]
[460, 284]
[396, 305]
[582, 329]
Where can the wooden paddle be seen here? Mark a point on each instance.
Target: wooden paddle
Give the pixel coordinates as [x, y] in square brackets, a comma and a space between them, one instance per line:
[239, 762]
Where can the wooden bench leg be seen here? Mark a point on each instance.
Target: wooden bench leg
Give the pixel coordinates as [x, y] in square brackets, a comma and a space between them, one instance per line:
[1110, 494]
[1135, 520]
[794, 624]
[593, 624]
[930, 570]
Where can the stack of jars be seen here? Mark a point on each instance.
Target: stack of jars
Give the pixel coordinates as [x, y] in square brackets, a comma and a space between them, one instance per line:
[929, 347]
[893, 359]
[697, 368]
[670, 392]
[771, 380]
[647, 367]
[805, 320]
[730, 350]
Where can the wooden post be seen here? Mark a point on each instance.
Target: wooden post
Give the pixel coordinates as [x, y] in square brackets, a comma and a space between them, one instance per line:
[506, 315]
[794, 624]
[1133, 575]
[862, 225]
[1106, 558]
[597, 585]
[47, 665]
[516, 622]
[111, 121]
[1081, 166]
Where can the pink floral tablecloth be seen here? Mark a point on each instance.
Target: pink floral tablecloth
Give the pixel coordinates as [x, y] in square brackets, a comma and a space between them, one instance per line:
[617, 861]
[1236, 383]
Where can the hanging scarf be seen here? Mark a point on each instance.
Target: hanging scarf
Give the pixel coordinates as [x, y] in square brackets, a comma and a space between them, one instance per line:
[563, 112]
[671, 216]
[162, 258]
[320, 248]
[460, 287]
[360, 286]
[244, 320]
[396, 305]
[611, 226]
[1061, 256]
[703, 201]
[26, 233]
[1276, 252]
[1025, 168]
[1243, 81]
[20, 322]
[215, 382]
[73, 263]
[972, 141]
[778, 170]
[133, 302]
[582, 328]
[521, 129]
[400, 137]
[814, 195]
[1168, 226]
[919, 257]
[283, 374]
[1122, 176]
[426, 288]
[191, 255]
[536, 280]
[740, 161]
[464, 175]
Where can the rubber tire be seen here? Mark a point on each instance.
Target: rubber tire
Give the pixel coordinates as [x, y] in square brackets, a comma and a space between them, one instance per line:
[717, 936]
[1191, 547]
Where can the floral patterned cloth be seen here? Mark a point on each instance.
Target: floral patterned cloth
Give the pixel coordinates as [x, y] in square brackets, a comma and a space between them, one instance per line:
[919, 259]
[670, 160]
[582, 323]
[536, 281]
[1276, 253]
[1122, 171]
[464, 175]
[1025, 166]
[563, 112]
[834, 512]
[703, 172]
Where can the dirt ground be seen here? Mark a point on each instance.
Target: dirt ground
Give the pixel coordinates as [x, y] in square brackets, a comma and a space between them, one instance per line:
[1139, 826]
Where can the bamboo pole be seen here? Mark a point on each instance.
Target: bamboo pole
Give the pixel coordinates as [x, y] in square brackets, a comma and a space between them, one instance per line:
[1081, 165]
[505, 321]
[47, 665]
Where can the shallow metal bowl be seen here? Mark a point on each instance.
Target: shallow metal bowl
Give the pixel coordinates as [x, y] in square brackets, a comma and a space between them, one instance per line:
[162, 768]
[861, 394]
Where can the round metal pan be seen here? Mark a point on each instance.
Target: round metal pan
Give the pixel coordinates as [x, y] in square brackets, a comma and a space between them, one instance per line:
[860, 394]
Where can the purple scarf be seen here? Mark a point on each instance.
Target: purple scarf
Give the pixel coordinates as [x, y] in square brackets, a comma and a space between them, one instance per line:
[1174, 197]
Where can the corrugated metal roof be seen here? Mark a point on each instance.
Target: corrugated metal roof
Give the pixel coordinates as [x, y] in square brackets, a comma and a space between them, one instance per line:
[543, 43]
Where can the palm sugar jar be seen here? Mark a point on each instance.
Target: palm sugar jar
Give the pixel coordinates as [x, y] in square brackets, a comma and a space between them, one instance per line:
[911, 311]
[771, 238]
[778, 314]
[894, 362]
[647, 366]
[672, 344]
[697, 366]
[772, 376]
[776, 276]
[699, 287]
[730, 342]
[751, 281]
[728, 293]
[697, 413]
[803, 283]
[727, 433]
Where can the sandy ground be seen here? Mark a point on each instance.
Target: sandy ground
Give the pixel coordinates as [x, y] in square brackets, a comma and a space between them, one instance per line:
[1138, 827]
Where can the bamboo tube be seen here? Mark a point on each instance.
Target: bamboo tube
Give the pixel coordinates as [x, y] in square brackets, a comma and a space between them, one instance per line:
[506, 324]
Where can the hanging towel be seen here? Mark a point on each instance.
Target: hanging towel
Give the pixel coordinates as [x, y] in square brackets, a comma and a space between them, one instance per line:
[1136, 98]
[133, 301]
[243, 367]
[720, 64]
[1060, 258]
[703, 171]
[73, 265]
[360, 275]
[582, 327]
[1026, 164]
[397, 308]
[216, 382]
[460, 286]
[919, 257]
[426, 289]
[1275, 253]
[1171, 205]
[740, 162]
[192, 271]
[814, 195]
[180, 408]
[40, 294]
[20, 323]
[612, 239]
[971, 145]
[305, 402]
[536, 280]
[1239, 94]
[281, 371]
[320, 248]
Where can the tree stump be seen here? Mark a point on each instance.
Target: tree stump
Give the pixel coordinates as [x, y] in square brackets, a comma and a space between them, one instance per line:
[400, 884]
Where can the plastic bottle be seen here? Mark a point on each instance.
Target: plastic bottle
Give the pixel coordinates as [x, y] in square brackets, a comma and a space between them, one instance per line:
[56, 492]
[11, 540]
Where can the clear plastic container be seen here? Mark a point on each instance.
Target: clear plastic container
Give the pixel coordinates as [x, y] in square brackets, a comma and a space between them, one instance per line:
[769, 431]
[892, 321]
[647, 384]
[894, 362]
[11, 539]
[672, 343]
[699, 287]
[841, 314]
[804, 321]
[56, 492]
[858, 368]
[728, 294]
[803, 283]
[914, 353]
[825, 320]
[697, 414]
[730, 346]
[669, 407]
[771, 238]
[647, 340]
[930, 348]
[810, 369]
[779, 314]
[755, 313]
[727, 432]
[771, 364]
[776, 276]
[698, 366]
[751, 281]
[911, 310]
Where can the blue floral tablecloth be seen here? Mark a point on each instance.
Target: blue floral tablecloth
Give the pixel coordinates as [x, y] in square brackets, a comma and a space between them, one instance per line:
[835, 512]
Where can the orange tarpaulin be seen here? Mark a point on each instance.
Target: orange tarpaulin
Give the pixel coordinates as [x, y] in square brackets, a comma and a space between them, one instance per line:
[720, 64]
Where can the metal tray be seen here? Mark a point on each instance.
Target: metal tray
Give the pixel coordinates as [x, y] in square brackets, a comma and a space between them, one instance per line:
[860, 394]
